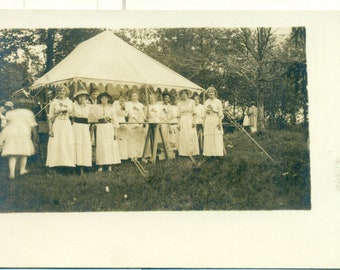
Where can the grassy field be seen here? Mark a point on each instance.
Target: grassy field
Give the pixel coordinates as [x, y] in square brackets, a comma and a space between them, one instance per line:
[245, 179]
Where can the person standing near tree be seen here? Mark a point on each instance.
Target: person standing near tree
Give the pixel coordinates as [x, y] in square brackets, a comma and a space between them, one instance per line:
[81, 131]
[252, 113]
[213, 132]
[246, 121]
[16, 139]
[186, 125]
[60, 147]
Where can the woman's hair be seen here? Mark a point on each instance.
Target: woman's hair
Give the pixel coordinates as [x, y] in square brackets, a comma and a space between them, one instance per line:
[134, 92]
[184, 91]
[77, 97]
[211, 88]
[61, 87]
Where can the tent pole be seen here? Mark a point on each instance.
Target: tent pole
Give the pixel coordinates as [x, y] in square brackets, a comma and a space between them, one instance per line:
[147, 102]
[76, 86]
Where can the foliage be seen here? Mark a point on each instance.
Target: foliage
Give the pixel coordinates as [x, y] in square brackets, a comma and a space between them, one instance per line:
[243, 64]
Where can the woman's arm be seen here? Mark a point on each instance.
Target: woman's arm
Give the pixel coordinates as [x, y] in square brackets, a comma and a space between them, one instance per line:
[194, 114]
[51, 118]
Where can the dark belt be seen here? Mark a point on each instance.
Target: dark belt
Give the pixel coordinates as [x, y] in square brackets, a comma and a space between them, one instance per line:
[81, 120]
[103, 121]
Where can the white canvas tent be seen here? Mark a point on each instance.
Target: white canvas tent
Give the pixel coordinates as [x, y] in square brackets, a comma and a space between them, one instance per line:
[107, 59]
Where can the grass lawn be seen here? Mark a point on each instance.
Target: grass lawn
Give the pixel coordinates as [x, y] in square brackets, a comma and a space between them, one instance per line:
[245, 179]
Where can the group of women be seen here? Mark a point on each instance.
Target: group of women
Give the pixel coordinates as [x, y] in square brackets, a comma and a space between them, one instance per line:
[116, 131]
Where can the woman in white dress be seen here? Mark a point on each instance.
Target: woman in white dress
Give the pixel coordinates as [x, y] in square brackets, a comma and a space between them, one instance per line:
[136, 131]
[252, 113]
[173, 131]
[81, 131]
[154, 111]
[199, 109]
[166, 118]
[246, 121]
[186, 117]
[153, 115]
[60, 147]
[16, 139]
[122, 113]
[213, 132]
[107, 152]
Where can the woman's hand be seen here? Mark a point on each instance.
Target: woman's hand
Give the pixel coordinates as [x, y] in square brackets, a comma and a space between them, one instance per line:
[51, 134]
[219, 126]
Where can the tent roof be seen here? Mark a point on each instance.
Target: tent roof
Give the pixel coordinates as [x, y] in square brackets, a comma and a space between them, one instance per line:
[105, 58]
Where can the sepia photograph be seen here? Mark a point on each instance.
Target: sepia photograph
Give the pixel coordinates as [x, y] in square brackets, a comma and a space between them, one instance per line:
[154, 119]
[169, 139]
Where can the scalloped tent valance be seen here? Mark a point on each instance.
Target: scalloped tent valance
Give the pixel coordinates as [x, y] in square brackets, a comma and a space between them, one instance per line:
[108, 60]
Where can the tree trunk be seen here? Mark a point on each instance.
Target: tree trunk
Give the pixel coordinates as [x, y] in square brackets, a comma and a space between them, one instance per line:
[260, 112]
[49, 49]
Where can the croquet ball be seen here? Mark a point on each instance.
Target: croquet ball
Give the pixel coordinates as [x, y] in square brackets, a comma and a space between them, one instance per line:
[125, 196]
[107, 189]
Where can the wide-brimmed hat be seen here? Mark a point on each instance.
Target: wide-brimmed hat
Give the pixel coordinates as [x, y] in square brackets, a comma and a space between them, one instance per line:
[9, 104]
[79, 93]
[164, 94]
[104, 94]
[185, 90]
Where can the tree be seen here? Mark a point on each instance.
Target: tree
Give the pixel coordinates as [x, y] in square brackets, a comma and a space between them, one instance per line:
[67, 39]
[257, 62]
[18, 58]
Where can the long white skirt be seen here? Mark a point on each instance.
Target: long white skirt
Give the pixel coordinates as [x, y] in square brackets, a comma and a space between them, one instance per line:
[82, 144]
[135, 139]
[188, 142]
[17, 141]
[60, 148]
[173, 137]
[107, 151]
[213, 137]
[122, 141]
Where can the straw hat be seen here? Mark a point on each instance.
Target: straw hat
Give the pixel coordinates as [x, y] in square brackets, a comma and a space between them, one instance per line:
[9, 104]
[189, 93]
[79, 93]
[164, 94]
[104, 94]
